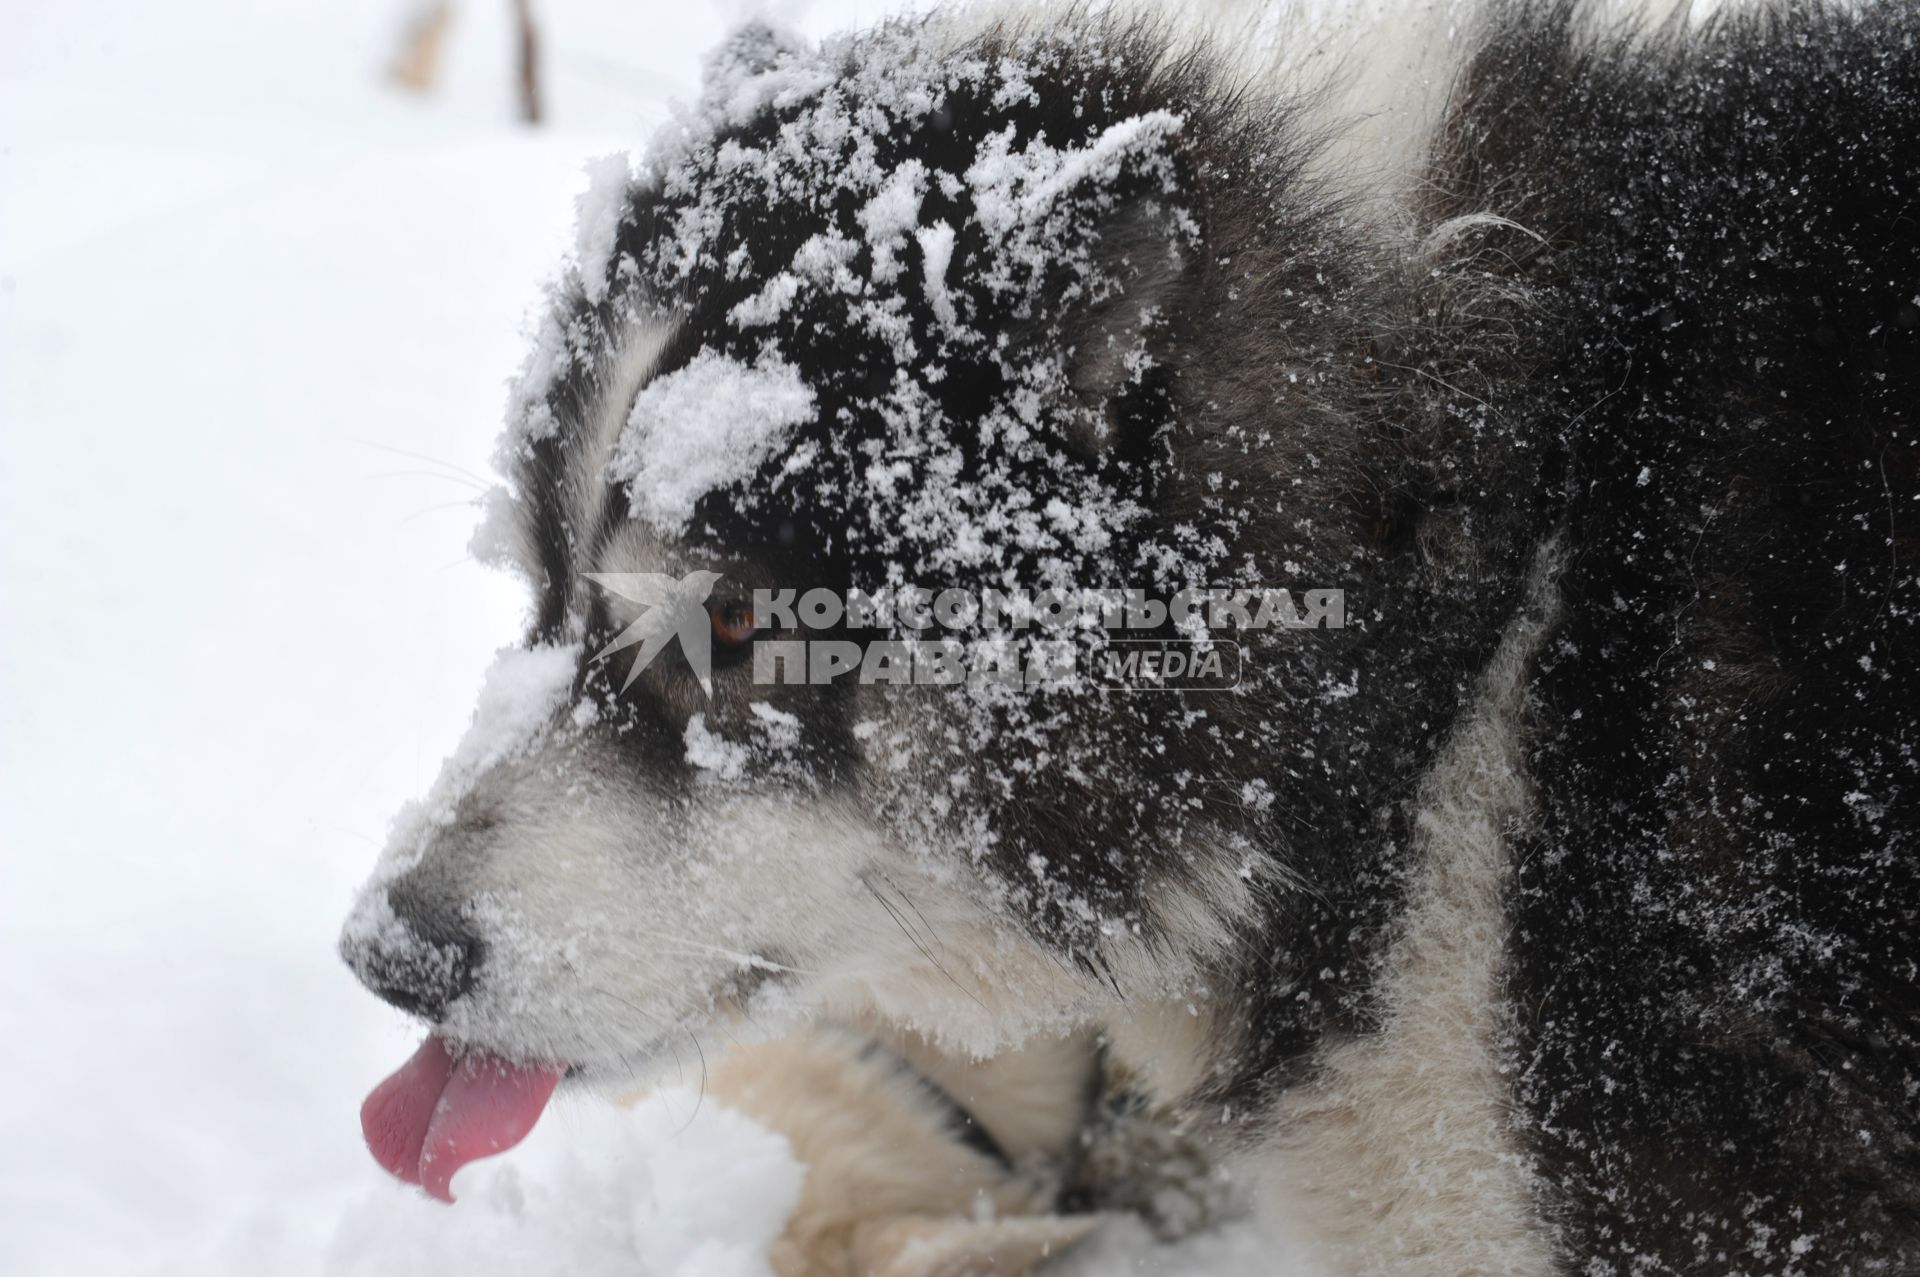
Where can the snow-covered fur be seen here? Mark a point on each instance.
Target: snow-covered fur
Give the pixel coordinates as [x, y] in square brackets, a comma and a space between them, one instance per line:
[1413, 1120]
[1554, 915]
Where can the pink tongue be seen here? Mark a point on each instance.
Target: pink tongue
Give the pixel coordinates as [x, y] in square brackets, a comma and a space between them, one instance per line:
[395, 1117]
[437, 1113]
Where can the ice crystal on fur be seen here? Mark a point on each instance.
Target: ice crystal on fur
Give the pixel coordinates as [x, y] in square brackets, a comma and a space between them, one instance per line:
[597, 214]
[994, 225]
[522, 689]
[703, 427]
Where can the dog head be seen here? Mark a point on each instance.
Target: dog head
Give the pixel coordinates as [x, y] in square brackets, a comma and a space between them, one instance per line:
[1013, 312]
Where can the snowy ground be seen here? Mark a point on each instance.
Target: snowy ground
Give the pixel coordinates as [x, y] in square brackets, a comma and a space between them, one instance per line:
[256, 313]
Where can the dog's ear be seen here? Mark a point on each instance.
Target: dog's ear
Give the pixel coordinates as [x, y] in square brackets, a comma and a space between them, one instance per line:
[1090, 246]
[1139, 264]
[929, 1246]
[751, 49]
[1115, 337]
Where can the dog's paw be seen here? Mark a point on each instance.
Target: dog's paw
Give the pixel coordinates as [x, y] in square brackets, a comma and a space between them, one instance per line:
[894, 1187]
[918, 1246]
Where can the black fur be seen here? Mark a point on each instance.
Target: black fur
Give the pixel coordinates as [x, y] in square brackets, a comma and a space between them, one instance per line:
[1691, 353]
[1719, 1021]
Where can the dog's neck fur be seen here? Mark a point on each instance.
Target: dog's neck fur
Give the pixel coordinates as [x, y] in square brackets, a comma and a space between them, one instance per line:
[1368, 1135]
[1031, 1100]
[1343, 1133]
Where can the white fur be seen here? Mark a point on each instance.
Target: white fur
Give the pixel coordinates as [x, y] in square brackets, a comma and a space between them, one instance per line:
[617, 916]
[890, 1189]
[635, 356]
[1372, 75]
[1399, 1156]
[1024, 1097]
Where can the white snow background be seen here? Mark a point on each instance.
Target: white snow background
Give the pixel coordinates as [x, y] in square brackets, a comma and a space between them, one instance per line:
[257, 313]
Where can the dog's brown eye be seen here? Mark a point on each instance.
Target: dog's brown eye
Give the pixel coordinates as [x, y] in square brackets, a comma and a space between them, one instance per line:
[732, 623]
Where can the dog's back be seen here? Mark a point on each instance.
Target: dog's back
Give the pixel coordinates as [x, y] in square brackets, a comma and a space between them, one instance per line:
[1715, 982]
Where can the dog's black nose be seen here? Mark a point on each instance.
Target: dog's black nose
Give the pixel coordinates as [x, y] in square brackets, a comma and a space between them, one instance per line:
[423, 963]
[421, 980]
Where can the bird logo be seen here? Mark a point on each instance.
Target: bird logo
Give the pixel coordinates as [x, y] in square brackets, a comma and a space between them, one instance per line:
[669, 609]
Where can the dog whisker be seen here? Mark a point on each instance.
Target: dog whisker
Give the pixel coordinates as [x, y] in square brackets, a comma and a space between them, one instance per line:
[925, 952]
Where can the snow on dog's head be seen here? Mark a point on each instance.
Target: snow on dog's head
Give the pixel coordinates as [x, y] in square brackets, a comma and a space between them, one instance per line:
[910, 308]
